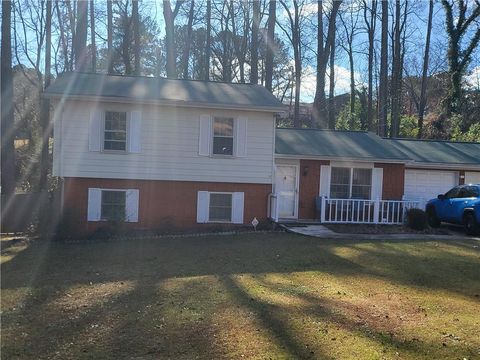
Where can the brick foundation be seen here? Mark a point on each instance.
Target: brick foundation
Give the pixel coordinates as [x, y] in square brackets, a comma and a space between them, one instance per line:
[162, 204]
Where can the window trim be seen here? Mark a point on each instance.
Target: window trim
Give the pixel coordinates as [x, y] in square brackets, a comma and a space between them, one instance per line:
[350, 188]
[234, 137]
[101, 202]
[231, 207]
[127, 132]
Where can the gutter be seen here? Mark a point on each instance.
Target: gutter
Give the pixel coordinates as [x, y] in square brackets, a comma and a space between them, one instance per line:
[337, 158]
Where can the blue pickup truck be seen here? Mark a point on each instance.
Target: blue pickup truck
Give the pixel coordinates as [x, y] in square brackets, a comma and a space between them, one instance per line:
[460, 205]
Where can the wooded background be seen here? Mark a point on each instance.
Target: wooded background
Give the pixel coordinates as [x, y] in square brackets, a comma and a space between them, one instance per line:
[412, 67]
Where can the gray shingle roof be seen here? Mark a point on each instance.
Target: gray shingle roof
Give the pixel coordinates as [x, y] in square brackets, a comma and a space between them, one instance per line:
[336, 144]
[438, 152]
[166, 91]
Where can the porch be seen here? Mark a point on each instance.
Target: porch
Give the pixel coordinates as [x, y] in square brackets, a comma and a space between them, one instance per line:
[347, 211]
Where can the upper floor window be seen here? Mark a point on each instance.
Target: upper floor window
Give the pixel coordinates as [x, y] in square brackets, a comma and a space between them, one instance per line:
[351, 183]
[115, 131]
[222, 136]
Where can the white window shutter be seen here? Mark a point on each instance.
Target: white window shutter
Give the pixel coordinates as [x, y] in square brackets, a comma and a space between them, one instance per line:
[237, 207]
[95, 131]
[377, 183]
[94, 204]
[203, 200]
[131, 205]
[135, 132]
[241, 136]
[205, 135]
[325, 176]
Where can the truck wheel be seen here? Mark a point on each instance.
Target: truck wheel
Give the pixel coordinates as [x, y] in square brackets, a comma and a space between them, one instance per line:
[470, 224]
[433, 220]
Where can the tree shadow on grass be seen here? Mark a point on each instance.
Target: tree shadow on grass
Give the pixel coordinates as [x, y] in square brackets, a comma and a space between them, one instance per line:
[50, 270]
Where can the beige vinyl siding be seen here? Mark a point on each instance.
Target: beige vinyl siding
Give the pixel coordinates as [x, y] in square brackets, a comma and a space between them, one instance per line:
[169, 148]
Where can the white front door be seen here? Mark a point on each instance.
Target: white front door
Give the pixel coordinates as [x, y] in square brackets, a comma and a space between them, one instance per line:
[286, 189]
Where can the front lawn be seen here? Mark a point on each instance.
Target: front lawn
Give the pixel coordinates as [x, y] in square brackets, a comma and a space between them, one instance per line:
[262, 296]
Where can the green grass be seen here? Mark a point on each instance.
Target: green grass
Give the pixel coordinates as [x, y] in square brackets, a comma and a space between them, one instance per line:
[262, 296]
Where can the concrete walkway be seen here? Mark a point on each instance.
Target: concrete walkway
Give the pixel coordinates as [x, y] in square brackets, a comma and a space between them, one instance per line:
[321, 231]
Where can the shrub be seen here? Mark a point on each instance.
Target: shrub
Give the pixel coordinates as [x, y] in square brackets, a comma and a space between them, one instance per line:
[417, 219]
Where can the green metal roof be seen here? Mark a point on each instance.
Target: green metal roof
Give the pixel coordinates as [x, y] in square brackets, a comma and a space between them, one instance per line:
[356, 145]
[167, 91]
[438, 151]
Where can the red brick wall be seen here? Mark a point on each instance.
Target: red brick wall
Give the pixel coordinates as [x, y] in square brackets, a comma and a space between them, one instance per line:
[161, 203]
[309, 187]
[393, 180]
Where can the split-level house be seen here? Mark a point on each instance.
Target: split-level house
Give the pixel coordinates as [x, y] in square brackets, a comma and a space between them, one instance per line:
[156, 152]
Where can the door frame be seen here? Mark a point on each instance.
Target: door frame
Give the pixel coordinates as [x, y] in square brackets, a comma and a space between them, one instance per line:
[296, 190]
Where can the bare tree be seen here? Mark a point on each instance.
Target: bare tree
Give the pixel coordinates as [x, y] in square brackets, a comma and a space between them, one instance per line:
[92, 36]
[254, 43]
[109, 37]
[169, 17]
[208, 42]
[80, 39]
[7, 125]
[136, 36]
[423, 91]
[396, 72]
[270, 44]
[188, 40]
[370, 19]
[324, 47]
[383, 87]
[294, 37]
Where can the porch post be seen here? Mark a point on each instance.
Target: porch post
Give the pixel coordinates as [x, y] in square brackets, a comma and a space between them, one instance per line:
[376, 210]
[322, 209]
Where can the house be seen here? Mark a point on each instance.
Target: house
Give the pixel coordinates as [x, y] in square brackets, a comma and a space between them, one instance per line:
[156, 152]
[369, 171]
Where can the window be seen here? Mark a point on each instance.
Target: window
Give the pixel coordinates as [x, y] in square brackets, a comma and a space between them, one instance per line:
[113, 205]
[453, 193]
[220, 207]
[115, 132]
[340, 183]
[348, 183]
[361, 183]
[222, 136]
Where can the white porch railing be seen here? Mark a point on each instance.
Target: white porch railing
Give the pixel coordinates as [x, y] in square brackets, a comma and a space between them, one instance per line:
[357, 211]
[273, 207]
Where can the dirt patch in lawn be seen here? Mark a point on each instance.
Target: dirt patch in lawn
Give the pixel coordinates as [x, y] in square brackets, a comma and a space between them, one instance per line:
[384, 229]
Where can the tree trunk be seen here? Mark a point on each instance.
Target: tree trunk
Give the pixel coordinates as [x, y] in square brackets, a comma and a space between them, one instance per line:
[396, 74]
[352, 86]
[188, 40]
[270, 45]
[423, 91]
[92, 36]
[254, 49]
[383, 87]
[80, 39]
[331, 90]
[7, 120]
[320, 111]
[208, 41]
[45, 102]
[62, 38]
[371, 26]
[169, 39]
[109, 37]
[136, 37]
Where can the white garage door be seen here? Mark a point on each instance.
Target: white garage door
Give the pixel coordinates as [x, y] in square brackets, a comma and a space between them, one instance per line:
[472, 177]
[424, 185]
